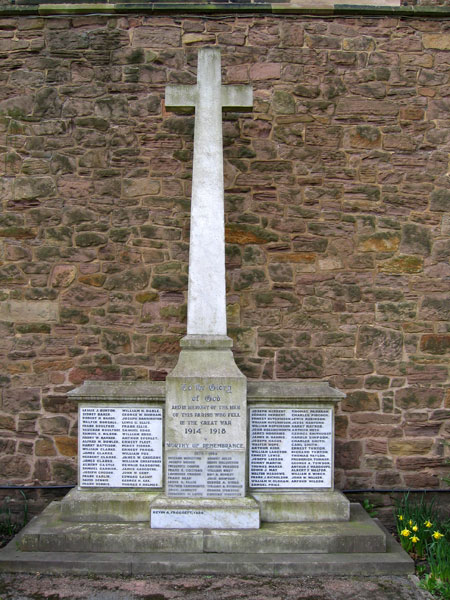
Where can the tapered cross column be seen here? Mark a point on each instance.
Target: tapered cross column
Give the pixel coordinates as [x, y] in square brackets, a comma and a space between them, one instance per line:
[206, 292]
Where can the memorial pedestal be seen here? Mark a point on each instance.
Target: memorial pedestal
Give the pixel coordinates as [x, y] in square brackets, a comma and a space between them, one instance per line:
[301, 532]
[205, 441]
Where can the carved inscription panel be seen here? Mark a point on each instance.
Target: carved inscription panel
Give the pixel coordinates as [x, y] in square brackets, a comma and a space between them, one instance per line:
[290, 448]
[207, 414]
[120, 447]
[206, 437]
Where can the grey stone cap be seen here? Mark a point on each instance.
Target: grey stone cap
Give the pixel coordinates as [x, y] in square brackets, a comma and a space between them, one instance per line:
[36, 7]
[140, 391]
[268, 390]
[166, 502]
[137, 391]
[206, 342]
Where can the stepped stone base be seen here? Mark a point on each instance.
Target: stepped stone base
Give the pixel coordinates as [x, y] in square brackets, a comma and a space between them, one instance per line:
[49, 545]
[48, 533]
[358, 546]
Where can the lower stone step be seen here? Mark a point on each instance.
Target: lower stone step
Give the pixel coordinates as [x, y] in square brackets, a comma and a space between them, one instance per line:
[48, 533]
[392, 562]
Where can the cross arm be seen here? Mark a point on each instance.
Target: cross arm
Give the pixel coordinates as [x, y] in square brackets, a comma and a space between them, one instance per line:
[237, 97]
[181, 96]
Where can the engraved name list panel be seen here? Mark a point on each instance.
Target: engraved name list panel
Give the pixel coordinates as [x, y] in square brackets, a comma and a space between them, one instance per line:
[120, 446]
[290, 448]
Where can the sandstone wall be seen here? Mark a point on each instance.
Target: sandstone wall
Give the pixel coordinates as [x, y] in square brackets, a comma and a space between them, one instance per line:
[337, 209]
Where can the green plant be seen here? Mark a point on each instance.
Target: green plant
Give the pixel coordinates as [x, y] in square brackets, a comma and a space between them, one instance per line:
[8, 525]
[369, 507]
[446, 478]
[416, 523]
[436, 587]
[424, 534]
[439, 559]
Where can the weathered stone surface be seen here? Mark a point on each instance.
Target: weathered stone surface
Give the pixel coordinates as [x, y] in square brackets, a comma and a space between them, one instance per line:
[63, 275]
[16, 400]
[67, 446]
[33, 311]
[398, 311]
[435, 307]
[416, 239]
[440, 200]
[374, 342]
[380, 242]
[438, 41]
[402, 264]
[360, 401]
[348, 455]
[435, 344]
[409, 447]
[299, 363]
[413, 397]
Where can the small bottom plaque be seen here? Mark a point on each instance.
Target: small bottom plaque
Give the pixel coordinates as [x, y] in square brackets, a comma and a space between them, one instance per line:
[204, 513]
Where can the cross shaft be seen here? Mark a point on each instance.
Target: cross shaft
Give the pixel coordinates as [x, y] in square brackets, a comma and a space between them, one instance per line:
[206, 288]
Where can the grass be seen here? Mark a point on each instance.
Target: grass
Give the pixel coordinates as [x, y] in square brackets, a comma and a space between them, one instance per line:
[425, 535]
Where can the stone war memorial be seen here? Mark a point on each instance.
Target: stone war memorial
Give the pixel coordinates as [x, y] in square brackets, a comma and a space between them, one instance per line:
[208, 472]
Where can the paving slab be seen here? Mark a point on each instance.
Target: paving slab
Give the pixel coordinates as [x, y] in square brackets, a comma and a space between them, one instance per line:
[63, 587]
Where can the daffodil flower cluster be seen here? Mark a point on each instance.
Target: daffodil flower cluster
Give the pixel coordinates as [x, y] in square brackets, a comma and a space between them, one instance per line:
[415, 537]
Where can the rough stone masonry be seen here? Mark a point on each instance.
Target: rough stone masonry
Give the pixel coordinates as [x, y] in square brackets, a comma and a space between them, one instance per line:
[337, 205]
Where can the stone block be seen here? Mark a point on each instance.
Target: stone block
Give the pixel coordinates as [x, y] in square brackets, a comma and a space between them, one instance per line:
[409, 447]
[302, 507]
[418, 397]
[38, 311]
[440, 200]
[302, 538]
[90, 506]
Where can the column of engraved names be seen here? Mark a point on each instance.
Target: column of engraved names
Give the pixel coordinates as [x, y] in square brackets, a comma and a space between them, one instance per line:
[318, 424]
[184, 475]
[270, 433]
[290, 448]
[141, 448]
[221, 475]
[100, 436]
[199, 474]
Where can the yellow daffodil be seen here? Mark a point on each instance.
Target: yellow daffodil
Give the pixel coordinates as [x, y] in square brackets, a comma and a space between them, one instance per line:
[414, 539]
[428, 524]
[410, 522]
[405, 532]
[400, 517]
[415, 528]
[437, 535]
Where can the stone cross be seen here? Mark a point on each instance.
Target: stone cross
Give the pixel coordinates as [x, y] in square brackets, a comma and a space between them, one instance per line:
[206, 289]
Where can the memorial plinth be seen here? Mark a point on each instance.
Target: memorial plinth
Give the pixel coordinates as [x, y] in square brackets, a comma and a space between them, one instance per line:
[205, 441]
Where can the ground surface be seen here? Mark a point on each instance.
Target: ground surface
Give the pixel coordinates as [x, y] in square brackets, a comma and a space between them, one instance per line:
[39, 587]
